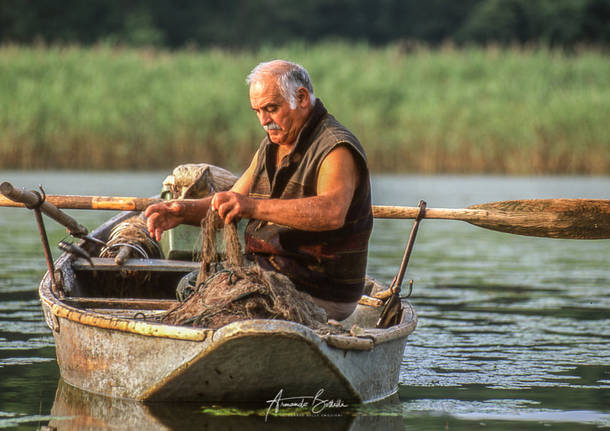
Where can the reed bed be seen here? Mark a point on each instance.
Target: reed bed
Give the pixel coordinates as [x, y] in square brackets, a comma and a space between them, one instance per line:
[469, 110]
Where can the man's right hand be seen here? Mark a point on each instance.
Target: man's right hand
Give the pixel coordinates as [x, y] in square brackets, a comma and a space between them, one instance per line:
[164, 216]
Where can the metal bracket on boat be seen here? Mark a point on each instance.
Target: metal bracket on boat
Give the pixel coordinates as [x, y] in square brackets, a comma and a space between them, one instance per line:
[77, 251]
[51, 319]
[36, 207]
[91, 239]
[393, 309]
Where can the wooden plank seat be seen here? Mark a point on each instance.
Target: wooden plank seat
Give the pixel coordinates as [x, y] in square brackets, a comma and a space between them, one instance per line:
[156, 265]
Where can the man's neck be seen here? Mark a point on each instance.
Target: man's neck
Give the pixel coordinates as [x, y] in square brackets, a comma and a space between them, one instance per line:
[282, 151]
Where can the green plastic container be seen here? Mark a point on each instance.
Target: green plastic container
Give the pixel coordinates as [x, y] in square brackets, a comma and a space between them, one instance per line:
[182, 242]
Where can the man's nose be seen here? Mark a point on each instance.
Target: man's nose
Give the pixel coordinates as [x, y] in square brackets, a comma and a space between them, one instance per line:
[264, 118]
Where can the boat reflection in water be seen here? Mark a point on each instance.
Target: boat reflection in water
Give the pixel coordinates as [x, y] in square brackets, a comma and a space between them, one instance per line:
[74, 409]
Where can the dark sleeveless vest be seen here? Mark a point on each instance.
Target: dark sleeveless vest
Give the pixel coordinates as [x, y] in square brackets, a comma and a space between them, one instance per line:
[329, 265]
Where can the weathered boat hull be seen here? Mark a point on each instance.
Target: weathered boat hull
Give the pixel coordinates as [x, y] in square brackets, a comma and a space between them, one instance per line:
[124, 356]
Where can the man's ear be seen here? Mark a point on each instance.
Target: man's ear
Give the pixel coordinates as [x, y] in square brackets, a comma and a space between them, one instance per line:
[303, 97]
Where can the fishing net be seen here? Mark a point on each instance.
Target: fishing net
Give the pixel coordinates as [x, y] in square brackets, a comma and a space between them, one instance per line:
[131, 238]
[230, 291]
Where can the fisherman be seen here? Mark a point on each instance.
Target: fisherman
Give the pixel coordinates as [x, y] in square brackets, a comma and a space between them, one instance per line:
[306, 193]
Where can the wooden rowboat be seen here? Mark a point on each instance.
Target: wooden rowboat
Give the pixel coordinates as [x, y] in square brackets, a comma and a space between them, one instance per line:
[108, 341]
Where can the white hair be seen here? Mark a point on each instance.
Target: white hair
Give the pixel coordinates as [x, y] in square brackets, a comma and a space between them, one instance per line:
[290, 77]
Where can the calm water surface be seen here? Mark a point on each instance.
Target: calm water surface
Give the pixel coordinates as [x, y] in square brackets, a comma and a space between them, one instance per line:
[513, 331]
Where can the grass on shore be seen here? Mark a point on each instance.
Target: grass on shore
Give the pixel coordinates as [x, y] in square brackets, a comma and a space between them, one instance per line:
[468, 110]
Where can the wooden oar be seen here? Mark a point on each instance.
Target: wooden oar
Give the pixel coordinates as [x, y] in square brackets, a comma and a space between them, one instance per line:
[550, 218]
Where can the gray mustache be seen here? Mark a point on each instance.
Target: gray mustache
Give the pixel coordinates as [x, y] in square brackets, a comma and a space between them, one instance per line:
[272, 126]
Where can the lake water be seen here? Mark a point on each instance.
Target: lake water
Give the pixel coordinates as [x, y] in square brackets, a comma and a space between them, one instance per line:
[513, 331]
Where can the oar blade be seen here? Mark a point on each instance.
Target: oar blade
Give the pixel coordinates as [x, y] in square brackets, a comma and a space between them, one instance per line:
[549, 218]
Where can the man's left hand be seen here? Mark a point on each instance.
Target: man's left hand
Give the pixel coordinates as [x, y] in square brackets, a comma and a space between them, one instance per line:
[232, 206]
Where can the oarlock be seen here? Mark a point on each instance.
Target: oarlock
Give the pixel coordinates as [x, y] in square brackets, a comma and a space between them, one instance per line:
[393, 309]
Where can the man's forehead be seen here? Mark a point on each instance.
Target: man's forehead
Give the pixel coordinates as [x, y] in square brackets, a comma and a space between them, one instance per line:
[265, 91]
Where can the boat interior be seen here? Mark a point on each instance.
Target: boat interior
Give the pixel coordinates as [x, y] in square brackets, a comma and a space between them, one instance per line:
[146, 288]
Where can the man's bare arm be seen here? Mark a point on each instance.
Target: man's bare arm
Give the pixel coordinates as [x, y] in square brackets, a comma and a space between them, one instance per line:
[337, 181]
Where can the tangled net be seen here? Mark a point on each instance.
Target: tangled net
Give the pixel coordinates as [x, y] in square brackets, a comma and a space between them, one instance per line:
[131, 237]
[228, 291]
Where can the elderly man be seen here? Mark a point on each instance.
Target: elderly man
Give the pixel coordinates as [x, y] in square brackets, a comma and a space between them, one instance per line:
[306, 193]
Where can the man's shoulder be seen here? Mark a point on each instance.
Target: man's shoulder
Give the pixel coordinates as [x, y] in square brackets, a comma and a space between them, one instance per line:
[331, 123]
[332, 133]
[331, 126]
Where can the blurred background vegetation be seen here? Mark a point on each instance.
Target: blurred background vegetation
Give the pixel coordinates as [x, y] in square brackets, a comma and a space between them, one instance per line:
[491, 86]
[244, 23]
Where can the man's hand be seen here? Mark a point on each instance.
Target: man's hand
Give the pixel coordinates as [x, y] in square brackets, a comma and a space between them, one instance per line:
[232, 206]
[163, 216]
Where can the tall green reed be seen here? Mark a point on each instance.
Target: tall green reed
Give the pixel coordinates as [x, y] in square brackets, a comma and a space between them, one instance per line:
[518, 111]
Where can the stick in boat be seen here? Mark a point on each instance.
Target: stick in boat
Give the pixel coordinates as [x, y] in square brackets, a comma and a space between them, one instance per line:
[34, 200]
[548, 218]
